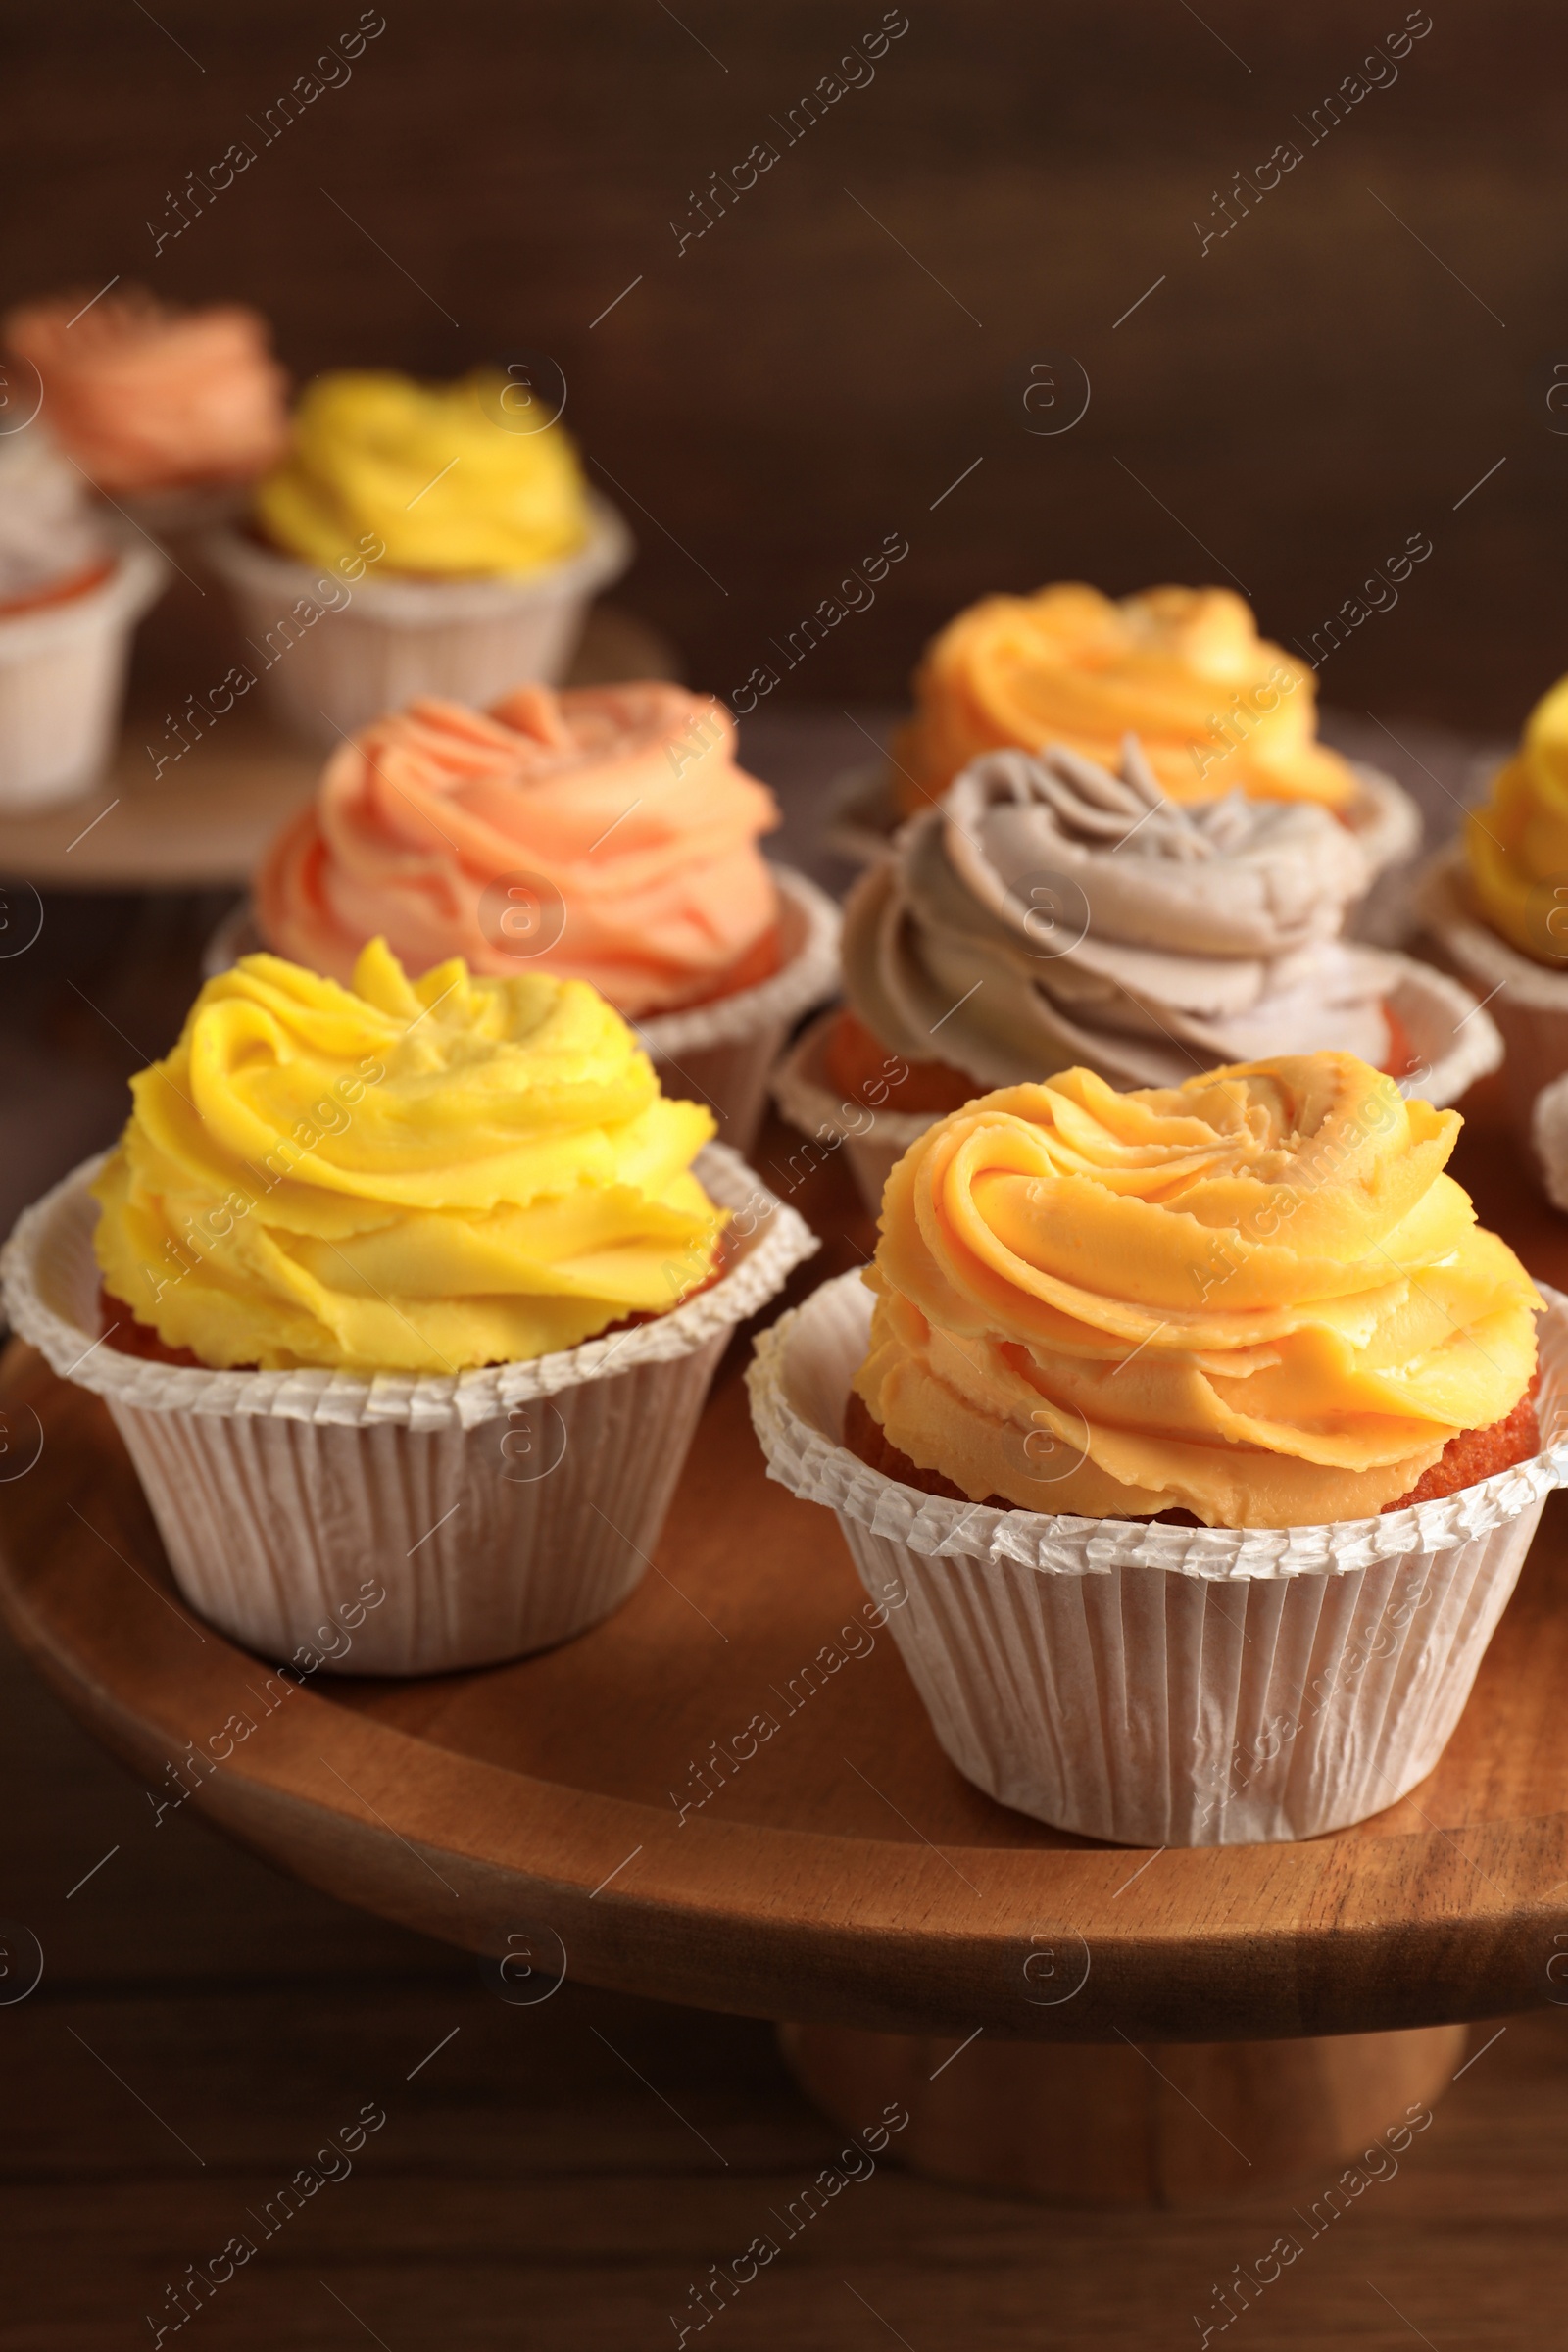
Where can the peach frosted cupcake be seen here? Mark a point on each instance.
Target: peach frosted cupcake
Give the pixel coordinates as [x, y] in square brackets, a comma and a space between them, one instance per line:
[604, 833]
[418, 539]
[152, 401]
[1216, 708]
[1202, 1425]
[398, 1280]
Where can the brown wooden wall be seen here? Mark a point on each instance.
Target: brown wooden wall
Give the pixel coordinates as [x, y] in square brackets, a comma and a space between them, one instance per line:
[1317, 385]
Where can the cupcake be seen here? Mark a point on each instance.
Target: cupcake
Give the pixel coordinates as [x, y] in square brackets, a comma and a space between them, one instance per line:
[1216, 708]
[1496, 904]
[1203, 1427]
[156, 403]
[450, 544]
[1047, 910]
[69, 596]
[606, 834]
[423, 1280]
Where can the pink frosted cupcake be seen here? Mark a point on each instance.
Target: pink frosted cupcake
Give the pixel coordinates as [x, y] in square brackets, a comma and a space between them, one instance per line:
[604, 834]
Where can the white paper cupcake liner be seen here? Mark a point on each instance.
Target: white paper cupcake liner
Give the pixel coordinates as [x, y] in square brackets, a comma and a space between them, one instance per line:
[1529, 1001]
[872, 1141]
[864, 814]
[396, 638]
[719, 1054]
[499, 1510]
[1454, 1038]
[62, 680]
[1164, 1685]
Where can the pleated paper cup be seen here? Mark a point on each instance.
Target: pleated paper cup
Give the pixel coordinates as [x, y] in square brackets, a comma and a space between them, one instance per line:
[62, 681]
[722, 1053]
[1529, 1001]
[497, 1511]
[872, 1141]
[718, 1054]
[1162, 1686]
[358, 649]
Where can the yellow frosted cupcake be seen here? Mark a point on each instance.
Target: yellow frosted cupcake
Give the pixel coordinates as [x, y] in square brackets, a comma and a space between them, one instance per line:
[415, 1284]
[416, 539]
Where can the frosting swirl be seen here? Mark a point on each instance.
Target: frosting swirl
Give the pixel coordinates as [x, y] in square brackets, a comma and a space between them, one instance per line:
[1256, 1297]
[411, 1176]
[1050, 910]
[622, 806]
[430, 469]
[1216, 707]
[1516, 842]
[150, 398]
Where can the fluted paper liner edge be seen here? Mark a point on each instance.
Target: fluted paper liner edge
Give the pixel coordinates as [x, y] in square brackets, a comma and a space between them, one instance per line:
[50, 1284]
[835, 1323]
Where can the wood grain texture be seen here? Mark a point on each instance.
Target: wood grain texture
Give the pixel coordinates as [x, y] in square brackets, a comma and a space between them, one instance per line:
[846, 1874]
[1283, 410]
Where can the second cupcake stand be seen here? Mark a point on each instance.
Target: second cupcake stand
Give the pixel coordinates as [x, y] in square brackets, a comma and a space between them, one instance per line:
[1078, 2023]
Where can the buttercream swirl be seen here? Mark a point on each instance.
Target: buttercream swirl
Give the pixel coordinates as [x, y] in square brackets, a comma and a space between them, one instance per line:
[148, 397]
[1256, 1297]
[621, 806]
[1517, 842]
[1050, 910]
[407, 1176]
[1215, 707]
[433, 471]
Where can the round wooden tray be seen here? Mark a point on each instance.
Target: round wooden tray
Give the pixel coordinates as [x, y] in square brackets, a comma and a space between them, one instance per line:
[840, 1870]
[203, 822]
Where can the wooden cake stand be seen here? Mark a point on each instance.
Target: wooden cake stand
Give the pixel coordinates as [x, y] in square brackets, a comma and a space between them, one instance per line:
[202, 821]
[1081, 2023]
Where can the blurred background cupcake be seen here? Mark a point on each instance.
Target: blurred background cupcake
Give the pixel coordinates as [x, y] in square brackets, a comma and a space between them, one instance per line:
[71, 593]
[418, 539]
[606, 833]
[1495, 904]
[171, 413]
[1048, 911]
[1216, 708]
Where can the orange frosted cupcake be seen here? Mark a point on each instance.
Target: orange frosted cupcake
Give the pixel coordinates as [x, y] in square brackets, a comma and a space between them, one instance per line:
[1216, 708]
[1196, 1429]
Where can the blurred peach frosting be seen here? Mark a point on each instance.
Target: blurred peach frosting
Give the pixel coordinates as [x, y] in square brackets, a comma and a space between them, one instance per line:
[1216, 708]
[604, 834]
[145, 397]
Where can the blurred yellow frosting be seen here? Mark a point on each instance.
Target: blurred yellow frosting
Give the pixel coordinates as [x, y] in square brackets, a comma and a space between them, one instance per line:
[405, 1176]
[1256, 1297]
[1216, 708]
[1517, 841]
[434, 471]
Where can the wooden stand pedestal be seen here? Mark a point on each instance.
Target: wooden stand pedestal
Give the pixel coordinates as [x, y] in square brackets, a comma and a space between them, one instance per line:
[1081, 2124]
